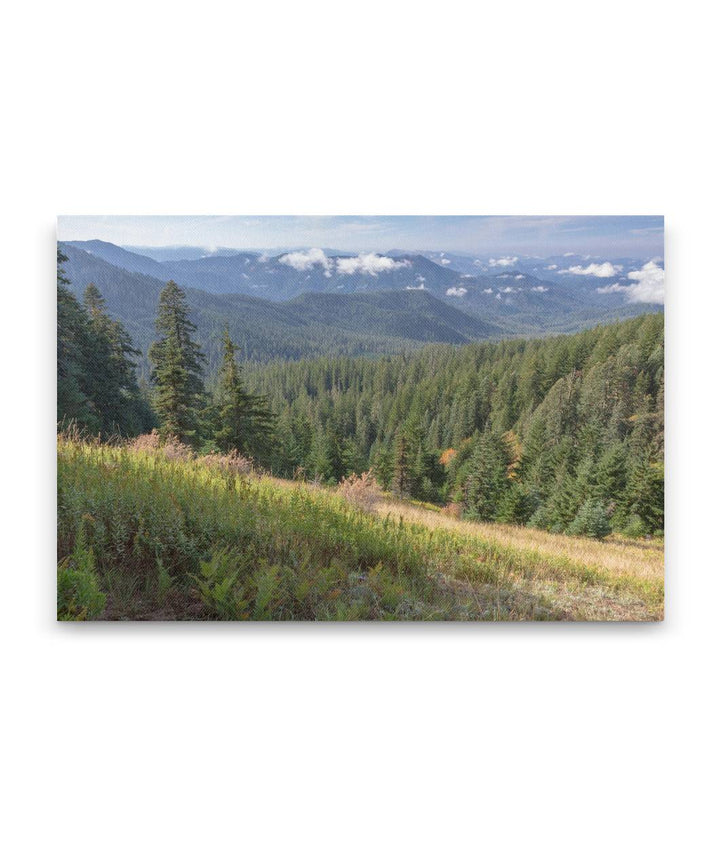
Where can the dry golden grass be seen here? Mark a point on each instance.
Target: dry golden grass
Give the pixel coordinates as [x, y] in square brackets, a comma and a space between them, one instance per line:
[618, 579]
[621, 557]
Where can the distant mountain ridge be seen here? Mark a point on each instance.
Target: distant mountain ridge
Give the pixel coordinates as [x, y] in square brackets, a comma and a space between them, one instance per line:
[306, 287]
[310, 325]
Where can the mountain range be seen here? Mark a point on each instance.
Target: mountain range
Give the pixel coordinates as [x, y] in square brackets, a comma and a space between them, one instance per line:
[306, 302]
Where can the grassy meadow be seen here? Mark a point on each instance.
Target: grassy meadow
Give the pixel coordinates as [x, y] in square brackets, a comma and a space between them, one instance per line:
[149, 533]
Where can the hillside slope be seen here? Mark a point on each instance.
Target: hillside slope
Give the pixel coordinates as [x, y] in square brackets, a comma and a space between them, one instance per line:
[149, 534]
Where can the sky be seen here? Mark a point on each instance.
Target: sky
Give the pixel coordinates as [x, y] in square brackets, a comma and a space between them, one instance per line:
[609, 236]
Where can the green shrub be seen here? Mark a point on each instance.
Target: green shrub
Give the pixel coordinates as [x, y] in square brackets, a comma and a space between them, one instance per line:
[634, 527]
[78, 591]
[217, 586]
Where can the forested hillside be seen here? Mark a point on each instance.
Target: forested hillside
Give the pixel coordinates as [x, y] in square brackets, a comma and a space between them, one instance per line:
[170, 505]
[563, 433]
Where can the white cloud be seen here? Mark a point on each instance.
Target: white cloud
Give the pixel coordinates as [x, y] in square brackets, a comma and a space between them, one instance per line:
[498, 296]
[612, 289]
[420, 287]
[506, 261]
[306, 259]
[509, 290]
[604, 270]
[456, 292]
[540, 288]
[369, 263]
[487, 290]
[649, 284]
[519, 276]
[551, 267]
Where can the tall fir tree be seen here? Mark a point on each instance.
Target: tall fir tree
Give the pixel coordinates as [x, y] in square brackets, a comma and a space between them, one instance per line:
[401, 477]
[244, 421]
[176, 367]
[110, 373]
[488, 480]
[73, 401]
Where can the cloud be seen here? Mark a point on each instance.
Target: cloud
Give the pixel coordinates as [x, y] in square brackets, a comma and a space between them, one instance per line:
[369, 263]
[551, 267]
[604, 270]
[519, 276]
[612, 289]
[456, 292]
[648, 285]
[487, 290]
[541, 289]
[506, 261]
[306, 259]
[509, 290]
[444, 261]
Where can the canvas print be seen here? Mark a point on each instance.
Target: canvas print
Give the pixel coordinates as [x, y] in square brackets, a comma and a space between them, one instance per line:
[360, 418]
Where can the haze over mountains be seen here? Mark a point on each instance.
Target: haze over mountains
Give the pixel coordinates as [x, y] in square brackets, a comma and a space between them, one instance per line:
[310, 301]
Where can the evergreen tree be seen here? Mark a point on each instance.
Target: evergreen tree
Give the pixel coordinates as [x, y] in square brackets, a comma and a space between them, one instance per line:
[110, 371]
[401, 475]
[96, 381]
[592, 519]
[382, 463]
[320, 458]
[73, 401]
[646, 495]
[244, 421]
[177, 373]
[488, 481]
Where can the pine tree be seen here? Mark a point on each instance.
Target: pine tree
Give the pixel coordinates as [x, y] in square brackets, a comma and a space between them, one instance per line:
[382, 463]
[646, 494]
[73, 401]
[401, 477]
[611, 474]
[244, 421]
[177, 367]
[487, 482]
[110, 371]
[320, 457]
